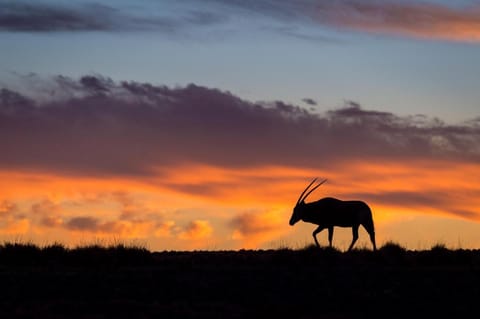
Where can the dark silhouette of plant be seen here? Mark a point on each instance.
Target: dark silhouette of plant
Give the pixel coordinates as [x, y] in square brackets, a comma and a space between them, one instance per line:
[391, 247]
[94, 255]
[18, 253]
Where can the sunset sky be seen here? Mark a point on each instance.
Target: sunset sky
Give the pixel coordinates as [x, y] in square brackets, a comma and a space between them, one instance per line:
[196, 124]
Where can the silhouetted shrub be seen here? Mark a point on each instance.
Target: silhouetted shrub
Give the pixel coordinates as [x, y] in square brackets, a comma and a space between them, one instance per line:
[391, 247]
[392, 253]
[28, 254]
[439, 254]
[114, 255]
[56, 249]
[322, 249]
[439, 248]
[18, 253]
[310, 247]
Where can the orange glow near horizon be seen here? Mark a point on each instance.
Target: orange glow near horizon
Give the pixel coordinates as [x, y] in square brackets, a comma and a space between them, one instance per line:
[200, 207]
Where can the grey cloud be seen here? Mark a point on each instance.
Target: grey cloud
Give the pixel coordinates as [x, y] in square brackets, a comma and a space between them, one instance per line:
[90, 224]
[204, 18]
[280, 9]
[37, 17]
[82, 223]
[29, 16]
[309, 101]
[14, 102]
[96, 126]
[94, 84]
[93, 225]
[51, 221]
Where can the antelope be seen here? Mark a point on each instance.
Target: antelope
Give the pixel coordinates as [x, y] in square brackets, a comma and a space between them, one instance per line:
[329, 212]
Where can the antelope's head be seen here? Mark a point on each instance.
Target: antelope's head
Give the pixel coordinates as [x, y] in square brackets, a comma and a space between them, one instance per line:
[300, 205]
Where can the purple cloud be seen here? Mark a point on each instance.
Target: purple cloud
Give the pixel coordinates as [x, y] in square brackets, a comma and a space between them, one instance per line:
[95, 126]
[24, 16]
[37, 17]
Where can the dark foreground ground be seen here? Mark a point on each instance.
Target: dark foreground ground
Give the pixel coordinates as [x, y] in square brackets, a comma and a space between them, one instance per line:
[119, 282]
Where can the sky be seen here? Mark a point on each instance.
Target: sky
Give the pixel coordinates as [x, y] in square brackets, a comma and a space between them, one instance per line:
[196, 124]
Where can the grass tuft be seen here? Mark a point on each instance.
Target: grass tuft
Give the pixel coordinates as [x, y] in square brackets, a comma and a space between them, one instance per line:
[29, 254]
[391, 247]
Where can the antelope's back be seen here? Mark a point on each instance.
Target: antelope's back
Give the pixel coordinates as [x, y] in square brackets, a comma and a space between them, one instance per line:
[337, 212]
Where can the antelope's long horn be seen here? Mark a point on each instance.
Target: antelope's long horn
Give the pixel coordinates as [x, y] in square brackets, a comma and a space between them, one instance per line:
[314, 189]
[301, 195]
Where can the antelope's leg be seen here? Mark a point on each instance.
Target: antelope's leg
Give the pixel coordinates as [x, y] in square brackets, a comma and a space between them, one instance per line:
[315, 232]
[330, 235]
[355, 236]
[371, 231]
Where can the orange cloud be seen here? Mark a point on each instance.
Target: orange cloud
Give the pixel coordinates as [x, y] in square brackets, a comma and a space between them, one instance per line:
[260, 200]
[11, 222]
[164, 229]
[120, 228]
[250, 208]
[195, 230]
[7, 208]
[12, 226]
[254, 228]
